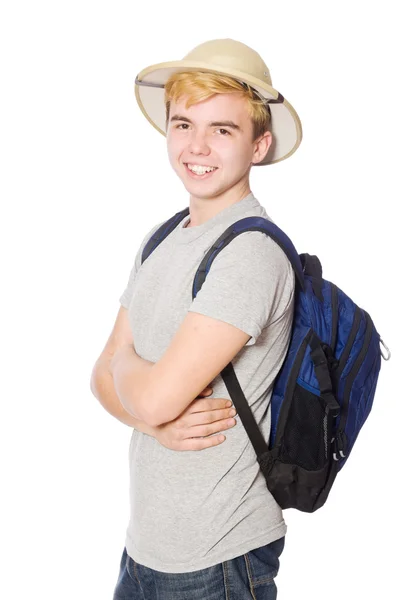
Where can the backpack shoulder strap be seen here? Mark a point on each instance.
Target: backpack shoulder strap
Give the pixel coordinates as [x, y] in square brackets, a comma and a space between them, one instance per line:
[239, 227]
[228, 374]
[162, 232]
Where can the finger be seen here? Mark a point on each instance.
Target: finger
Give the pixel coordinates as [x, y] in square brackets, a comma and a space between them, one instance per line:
[199, 443]
[207, 429]
[209, 404]
[195, 419]
[207, 391]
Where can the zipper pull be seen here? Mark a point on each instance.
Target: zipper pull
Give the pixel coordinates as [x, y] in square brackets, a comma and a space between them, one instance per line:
[335, 447]
[341, 443]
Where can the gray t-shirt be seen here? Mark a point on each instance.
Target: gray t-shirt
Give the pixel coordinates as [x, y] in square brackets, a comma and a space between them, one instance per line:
[190, 510]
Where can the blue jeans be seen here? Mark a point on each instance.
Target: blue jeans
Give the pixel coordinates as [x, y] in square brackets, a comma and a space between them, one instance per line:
[246, 577]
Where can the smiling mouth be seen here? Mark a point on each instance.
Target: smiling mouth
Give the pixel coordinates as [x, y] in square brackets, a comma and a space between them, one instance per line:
[199, 174]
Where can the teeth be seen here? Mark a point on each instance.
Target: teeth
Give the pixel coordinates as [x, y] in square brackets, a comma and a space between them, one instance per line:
[199, 169]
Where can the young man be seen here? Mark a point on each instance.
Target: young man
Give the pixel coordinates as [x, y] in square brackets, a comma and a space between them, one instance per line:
[203, 524]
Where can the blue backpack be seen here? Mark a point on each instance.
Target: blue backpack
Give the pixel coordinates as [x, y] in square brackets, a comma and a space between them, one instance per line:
[325, 388]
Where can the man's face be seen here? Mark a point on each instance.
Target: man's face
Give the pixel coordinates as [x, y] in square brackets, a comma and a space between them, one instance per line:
[216, 132]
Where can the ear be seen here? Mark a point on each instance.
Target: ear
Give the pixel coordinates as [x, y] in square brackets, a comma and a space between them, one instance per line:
[261, 147]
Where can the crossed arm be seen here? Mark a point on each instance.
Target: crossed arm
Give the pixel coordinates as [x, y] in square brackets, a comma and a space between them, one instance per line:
[159, 392]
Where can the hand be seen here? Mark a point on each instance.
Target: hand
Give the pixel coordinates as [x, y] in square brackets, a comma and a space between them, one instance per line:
[194, 428]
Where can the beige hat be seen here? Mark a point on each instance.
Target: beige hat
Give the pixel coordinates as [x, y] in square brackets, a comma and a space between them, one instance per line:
[227, 57]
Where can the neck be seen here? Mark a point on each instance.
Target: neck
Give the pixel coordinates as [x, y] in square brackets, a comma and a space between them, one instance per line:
[203, 209]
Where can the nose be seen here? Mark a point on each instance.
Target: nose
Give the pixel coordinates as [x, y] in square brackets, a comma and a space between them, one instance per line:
[198, 144]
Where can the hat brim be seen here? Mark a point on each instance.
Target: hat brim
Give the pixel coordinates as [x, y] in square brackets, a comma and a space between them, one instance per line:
[285, 125]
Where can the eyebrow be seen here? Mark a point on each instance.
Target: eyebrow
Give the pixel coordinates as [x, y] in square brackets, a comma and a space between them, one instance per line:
[212, 124]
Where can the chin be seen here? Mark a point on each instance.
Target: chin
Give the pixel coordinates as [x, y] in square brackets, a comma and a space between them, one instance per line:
[203, 192]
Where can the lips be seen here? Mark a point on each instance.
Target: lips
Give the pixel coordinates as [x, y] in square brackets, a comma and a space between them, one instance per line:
[197, 176]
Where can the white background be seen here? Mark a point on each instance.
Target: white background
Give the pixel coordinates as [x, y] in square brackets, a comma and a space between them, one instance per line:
[84, 177]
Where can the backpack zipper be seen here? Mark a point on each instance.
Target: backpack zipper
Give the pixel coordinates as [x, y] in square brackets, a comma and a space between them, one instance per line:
[340, 436]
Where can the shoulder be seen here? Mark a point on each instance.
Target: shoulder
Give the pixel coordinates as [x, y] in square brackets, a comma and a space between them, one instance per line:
[147, 237]
[258, 250]
[255, 265]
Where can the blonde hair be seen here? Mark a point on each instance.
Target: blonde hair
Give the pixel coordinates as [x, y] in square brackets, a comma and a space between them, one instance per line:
[199, 85]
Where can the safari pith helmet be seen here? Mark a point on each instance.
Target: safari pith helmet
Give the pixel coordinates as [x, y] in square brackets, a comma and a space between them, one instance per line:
[226, 57]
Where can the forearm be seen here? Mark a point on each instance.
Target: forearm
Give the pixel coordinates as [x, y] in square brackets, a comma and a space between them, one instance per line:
[131, 376]
[102, 386]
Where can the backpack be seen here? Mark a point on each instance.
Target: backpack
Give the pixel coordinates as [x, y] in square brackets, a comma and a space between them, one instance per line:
[324, 390]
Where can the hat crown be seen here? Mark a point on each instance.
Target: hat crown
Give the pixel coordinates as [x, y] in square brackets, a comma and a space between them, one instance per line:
[231, 54]
[229, 58]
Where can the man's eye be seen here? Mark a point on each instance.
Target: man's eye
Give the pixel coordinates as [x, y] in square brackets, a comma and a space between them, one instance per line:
[187, 125]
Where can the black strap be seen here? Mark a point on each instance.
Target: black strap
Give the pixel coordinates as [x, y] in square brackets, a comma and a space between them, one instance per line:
[162, 232]
[243, 410]
[311, 266]
[321, 368]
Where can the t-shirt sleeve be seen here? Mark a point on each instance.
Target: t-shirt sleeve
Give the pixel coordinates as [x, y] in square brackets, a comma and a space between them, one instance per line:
[126, 296]
[250, 284]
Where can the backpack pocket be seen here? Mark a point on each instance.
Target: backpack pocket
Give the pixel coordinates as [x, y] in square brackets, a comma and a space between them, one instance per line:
[307, 435]
[301, 469]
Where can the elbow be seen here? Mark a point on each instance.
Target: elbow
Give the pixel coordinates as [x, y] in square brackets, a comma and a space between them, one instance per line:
[159, 415]
[154, 421]
[136, 409]
[151, 418]
[94, 382]
[162, 410]
[149, 412]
